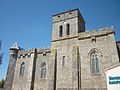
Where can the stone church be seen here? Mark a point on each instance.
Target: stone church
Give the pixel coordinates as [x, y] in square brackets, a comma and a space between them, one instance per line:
[77, 59]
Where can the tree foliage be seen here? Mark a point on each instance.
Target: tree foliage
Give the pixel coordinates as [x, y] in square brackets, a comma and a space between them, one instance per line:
[2, 82]
[1, 53]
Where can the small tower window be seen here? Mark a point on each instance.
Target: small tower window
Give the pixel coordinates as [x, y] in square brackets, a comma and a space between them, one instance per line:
[68, 29]
[63, 61]
[43, 71]
[22, 69]
[29, 55]
[60, 31]
[95, 65]
[93, 39]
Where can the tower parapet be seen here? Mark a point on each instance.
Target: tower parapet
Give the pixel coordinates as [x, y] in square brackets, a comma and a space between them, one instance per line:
[66, 15]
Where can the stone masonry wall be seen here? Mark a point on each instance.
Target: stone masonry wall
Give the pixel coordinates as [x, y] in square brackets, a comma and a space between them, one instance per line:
[43, 56]
[24, 82]
[104, 43]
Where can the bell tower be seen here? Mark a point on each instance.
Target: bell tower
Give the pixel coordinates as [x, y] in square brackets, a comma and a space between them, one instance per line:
[67, 24]
[65, 29]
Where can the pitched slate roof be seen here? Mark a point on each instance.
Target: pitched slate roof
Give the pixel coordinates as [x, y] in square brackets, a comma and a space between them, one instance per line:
[16, 46]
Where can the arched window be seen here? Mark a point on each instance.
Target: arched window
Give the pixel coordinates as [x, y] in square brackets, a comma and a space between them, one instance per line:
[68, 29]
[43, 71]
[63, 61]
[22, 69]
[95, 63]
[60, 31]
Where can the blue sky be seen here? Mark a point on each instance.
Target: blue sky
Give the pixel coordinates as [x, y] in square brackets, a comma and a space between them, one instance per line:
[29, 22]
